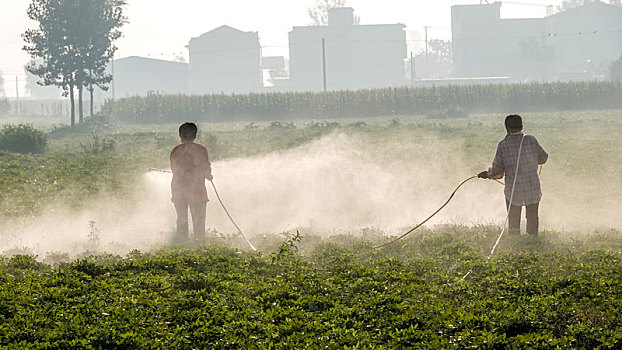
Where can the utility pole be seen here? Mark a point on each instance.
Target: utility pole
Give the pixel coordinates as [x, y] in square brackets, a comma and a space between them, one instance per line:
[412, 69]
[91, 75]
[324, 62]
[112, 68]
[426, 41]
[16, 96]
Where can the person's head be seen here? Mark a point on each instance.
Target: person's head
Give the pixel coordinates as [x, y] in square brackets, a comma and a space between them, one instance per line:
[188, 131]
[513, 123]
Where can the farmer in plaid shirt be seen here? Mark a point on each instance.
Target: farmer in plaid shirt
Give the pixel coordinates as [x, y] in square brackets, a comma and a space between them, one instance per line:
[527, 192]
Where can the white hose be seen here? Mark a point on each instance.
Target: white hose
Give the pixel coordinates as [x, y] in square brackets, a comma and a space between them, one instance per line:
[221, 204]
[507, 216]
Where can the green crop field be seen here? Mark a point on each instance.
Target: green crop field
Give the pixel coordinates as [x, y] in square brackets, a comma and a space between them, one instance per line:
[313, 283]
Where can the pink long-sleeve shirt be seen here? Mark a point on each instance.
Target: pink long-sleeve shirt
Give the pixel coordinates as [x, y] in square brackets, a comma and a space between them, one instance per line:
[191, 166]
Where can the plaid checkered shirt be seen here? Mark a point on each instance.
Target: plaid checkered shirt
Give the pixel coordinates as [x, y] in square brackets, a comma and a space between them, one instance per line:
[527, 190]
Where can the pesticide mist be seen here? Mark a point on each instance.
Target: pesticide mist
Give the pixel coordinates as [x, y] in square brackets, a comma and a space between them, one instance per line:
[339, 183]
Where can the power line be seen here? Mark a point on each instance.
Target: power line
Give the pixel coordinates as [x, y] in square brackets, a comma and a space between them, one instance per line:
[364, 41]
[19, 70]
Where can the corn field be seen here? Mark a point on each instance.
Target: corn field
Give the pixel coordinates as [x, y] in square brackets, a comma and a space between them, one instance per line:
[448, 101]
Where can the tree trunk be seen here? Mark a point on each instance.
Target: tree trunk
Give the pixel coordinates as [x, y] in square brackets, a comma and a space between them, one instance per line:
[91, 100]
[91, 91]
[80, 105]
[73, 106]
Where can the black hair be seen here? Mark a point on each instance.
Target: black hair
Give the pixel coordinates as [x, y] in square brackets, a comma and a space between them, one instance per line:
[188, 131]
[513, 123]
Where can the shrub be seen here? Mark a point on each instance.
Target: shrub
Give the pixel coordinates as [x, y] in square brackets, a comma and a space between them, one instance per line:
[95, 145]
[23, 139]
[91, 125]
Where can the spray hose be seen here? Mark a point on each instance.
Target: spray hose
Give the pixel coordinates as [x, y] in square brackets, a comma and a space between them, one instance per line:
[230, 218]
[221, 204]
[412, 229]
[433, 214]
[451, 197]
[429, 217]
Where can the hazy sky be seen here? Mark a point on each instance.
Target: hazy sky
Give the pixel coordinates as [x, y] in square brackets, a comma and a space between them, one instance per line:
[162, 28]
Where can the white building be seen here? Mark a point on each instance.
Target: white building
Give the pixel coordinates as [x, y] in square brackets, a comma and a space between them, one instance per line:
[225, 60]
[586, 40]
[578, 43]
[139, 76]
[343, 55]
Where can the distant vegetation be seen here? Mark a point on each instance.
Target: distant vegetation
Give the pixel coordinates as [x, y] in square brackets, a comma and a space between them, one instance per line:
[444, 101]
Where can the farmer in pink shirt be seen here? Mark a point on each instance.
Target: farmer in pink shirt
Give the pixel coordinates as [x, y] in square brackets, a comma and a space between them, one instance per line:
[191, 167]
[527, 192]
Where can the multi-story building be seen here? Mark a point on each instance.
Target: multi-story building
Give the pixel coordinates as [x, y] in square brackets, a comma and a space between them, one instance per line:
[343, 55]
[225, 60]
[578, 43]
[134, 76]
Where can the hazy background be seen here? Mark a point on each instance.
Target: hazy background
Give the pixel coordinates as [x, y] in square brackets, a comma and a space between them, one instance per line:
[339, 183]
[348, 183]
[162, 28]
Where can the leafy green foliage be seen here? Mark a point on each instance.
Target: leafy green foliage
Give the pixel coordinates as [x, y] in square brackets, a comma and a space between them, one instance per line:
[337, 297]
[29, 183]
[23, 139]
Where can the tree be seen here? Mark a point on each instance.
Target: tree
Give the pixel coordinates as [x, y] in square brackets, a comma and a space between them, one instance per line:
[5, 107]
[615, 69]
[319, 11]
[52, 47]
[101, 21]
[1, 85]
[568, 4]
[73, 43]
[437, 62]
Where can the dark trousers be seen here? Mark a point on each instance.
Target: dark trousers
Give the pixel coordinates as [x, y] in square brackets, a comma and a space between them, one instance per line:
[533, 221]
[197, 210]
